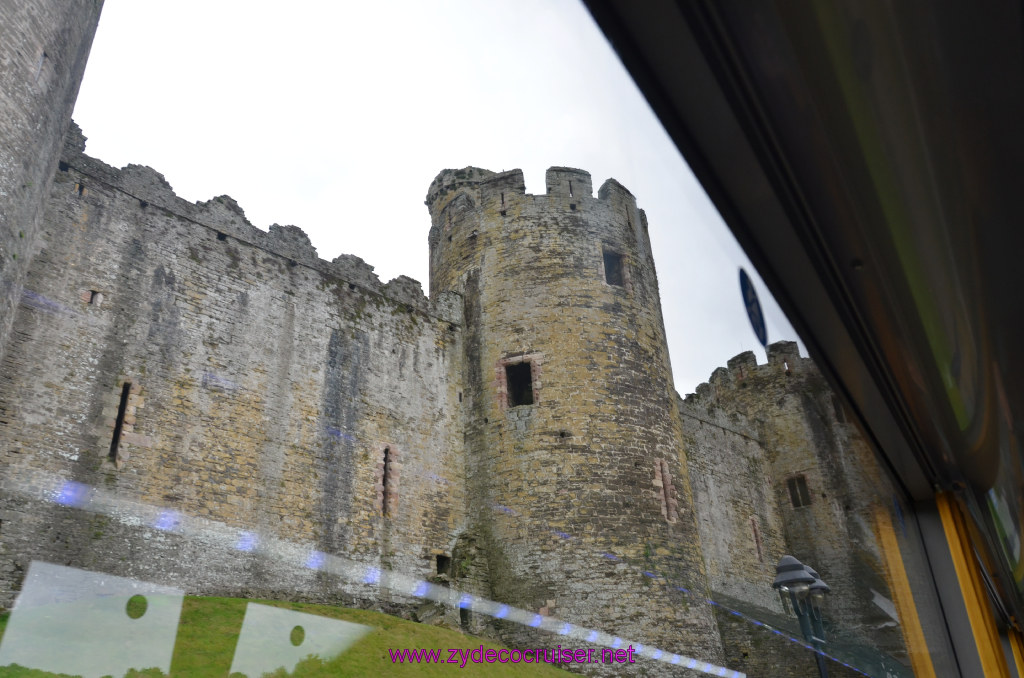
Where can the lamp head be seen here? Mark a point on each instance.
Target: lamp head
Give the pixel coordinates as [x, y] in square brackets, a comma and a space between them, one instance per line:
[818, 589]
[790, 574]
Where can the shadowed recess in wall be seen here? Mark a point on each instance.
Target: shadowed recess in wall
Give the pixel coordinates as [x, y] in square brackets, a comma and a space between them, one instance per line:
[164, 315]
[338, 414]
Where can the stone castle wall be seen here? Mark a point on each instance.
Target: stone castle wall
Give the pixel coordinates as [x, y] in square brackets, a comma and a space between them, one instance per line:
[281, 396]
[43, 49]
[278, 396]
[741, 525]
[264, 386]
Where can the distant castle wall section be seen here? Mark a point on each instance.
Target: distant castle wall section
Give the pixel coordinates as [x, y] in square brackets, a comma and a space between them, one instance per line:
[821, 487]
[246, 381]
[740, 523]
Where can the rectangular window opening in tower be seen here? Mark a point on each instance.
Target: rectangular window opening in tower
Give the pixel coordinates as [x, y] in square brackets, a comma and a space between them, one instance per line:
[119, 422]
[613, 268]
[798, 492]
[519, 381]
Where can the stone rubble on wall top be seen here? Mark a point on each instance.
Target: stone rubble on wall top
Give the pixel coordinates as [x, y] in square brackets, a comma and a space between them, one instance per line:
[292, 242]
[782, 355]
[224, 215]
[556, 179]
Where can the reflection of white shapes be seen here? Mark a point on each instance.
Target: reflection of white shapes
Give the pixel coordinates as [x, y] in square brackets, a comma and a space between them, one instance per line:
[1007, 526]
[47, 487]
[77, 622]
[885, 605]
[266, 642]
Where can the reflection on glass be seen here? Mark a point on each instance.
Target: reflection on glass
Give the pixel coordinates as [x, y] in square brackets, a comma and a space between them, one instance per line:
[71, 621]
[273, 638]
[269, 399]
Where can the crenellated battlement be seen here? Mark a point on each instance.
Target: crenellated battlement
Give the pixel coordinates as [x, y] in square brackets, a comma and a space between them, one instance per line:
[568, 182]
[474, 211]
[227, 220]
[784, 361]
[486, 187]
[448, 182]
[612, 187]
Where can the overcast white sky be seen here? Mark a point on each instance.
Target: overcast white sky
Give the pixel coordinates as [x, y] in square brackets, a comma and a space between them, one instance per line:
[335, 117]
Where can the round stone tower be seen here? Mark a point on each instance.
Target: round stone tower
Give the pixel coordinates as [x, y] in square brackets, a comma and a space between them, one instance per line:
[44, 45]
[577, 477]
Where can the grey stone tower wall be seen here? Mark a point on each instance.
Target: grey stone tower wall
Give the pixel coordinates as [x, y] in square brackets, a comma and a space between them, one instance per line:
[265, 385]
[44, 45]
[802, 431]
[580, 493]
[740, 522]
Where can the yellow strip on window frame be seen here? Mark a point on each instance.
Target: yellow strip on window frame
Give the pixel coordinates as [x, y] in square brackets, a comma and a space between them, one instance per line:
[979, 611]
[910, 623]
[1017, 643]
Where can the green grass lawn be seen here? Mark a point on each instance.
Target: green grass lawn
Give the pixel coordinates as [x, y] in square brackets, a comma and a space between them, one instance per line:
[209, 627]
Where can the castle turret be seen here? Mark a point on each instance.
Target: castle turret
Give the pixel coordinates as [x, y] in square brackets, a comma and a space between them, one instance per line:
[576, 472]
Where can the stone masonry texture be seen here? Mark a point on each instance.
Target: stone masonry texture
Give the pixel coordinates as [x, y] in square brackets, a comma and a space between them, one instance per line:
[44, 45]
[581, 458]
[263, 388]
[265, 385]
[516, 435]
[750, 431]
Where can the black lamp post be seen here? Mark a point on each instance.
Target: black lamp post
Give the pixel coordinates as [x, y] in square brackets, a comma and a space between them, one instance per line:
[806, 592]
